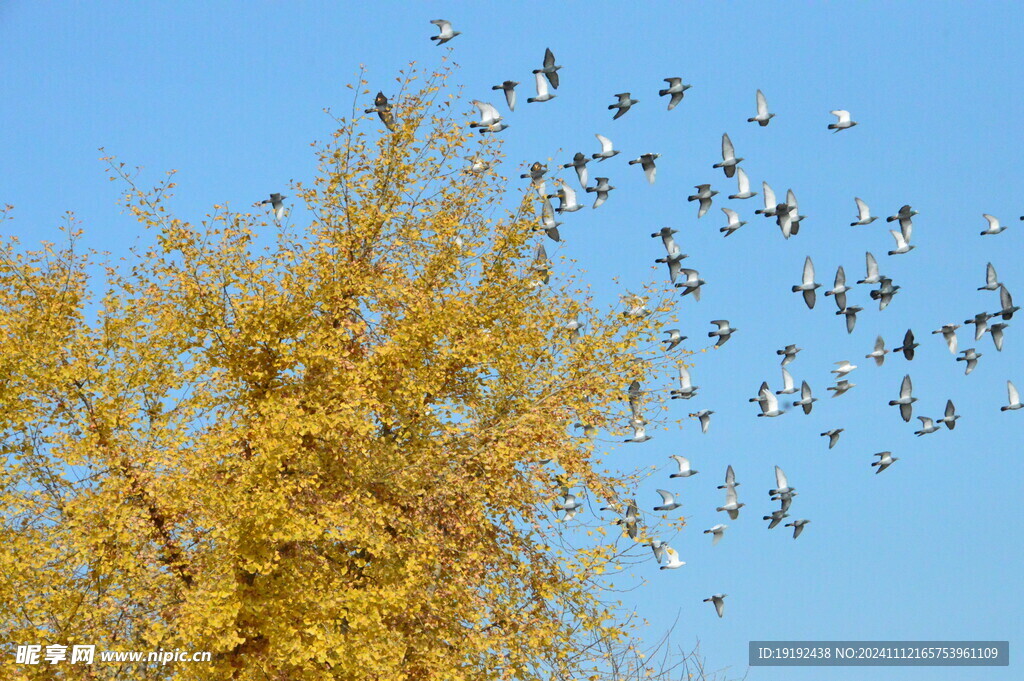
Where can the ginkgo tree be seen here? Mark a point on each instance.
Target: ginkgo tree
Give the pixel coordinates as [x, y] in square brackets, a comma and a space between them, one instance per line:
[325, 447]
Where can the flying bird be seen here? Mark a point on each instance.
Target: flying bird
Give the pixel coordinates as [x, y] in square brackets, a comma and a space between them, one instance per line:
[668, 501]
[851, 316]
[788, 353]
[729, 159]
[788, 388]
[704, 416]
[550, 69]
[798, 526]
[639, 433]
[675, 337]
[991, 279]
[872, 277]
[742, 186]
[673, 559]
[685, 470]
[445, 32]
[776, 517]
[762, 116]
[623, 105]
[734, 221]
[970, 355]
[996, 330]
[719, 601]
[724, 331]
[993, 225]
[770, 404]
[490, 120]
[602, 189]
[908, 345]
[782, 487]
[686, 389]
[769, 202]
[884, 293]
[509, 88]
[806, 399]
[547, 220]
[980, 322]
[901, 243]
[833, 436]
[904, 215]
[864, 216]
[948, 332]
[1013, 398]
[841, 387]
[842, 120]
[716, 532]
[927, 426]
[383, 109]
[843, 367]
[906, 400]
[1008, 308]
[675, 88]
[885, 460]
[543, 94]
[879, 353]
[950, 416]
[839, 289]
[731, 506]
[730, 479]
[567, 202]
[692, 283]
[808, 285]
[579, 162]
[606, 148]
[646, 162]
[704, 194]
[276, 202]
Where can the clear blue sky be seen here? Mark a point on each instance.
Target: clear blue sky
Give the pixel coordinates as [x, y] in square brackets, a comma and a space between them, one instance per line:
[230, 95]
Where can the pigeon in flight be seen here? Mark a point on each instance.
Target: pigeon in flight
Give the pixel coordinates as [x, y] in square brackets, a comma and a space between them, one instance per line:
[637, 306]
[675, 88]
[833, 436]
[646, 162]
[623, 105]
[566, 196]
[948, 332]
[734, 221]
[1013, 397]
[673, 559]
[548, 222]
[667, 239]
[537, 169]
[993, 225]
[716, 532]
[541, 264]
[906, 400]
[760, 393]
[904, 215]
[843, 367]
[901, 243]
[806, 399]
[788, 353]
[704, 194]
[971, 357]
[383, 109]
[602, 189]
[885, 460]
[980, 322]
[668, 501]
[724, 331]
[762, 116]
[808, 285]
[675, 337]
[569, 505]
[884, 293]
[908, 345]
[674, 261]
[842, 120]
[839, 289]
[606, 148]
[950, 417]
[579, 163]
[851, 316]
[445, 32]
[776, 517]
[731, 506]
[782, 487]
[543, 94]
[509, 88]
[730, 479]
[490, 120]
[719, 601]
[743, 186]
[864, 216]
[872, 277]
[692, 283]
[658, 547]
[788, 388]
[704, 416]
[798, 526]
[550, 69]
[573, 326]
[991, 279]
[639, 433]
[996, 330]
[769, 202]
[684, 467]
[841, 387]
[1008, 308]
[787, 215]
[770, 404]
[276, 202]
[879, 353]
[729, 160]
[927, 426]
[686, 389]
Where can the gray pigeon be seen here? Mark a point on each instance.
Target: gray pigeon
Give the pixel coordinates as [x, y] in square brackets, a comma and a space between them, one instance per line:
[908, 345]
[950, 416]
[734, 221]
[927, 426]
[692, 283]
[686, 389]
[762, 116]
[602, 189]
[904, 215]
[724, 331]
[996, 331]
[668, 501]
[719, 601]
[807, 284]
[884, 293]
[1008, 308]
[623, 105]
[948, 332]
[776, 517]
[543, 93]
[769, 202]
[550, 69]
[606, 148]
[704, 416]
[1013, 398]
[879, 353]
[839, 288]
[851, 316]
[674, 339]
[729, 159]
[798, 526]
[509, 88]
[445, 32]
[885, 460]
[806, 399]
[276, 202]
[646, 162]
[906, 400]
[970, 355]
[980, 322]
[873, 277]
[579, 162]
[833, 436]
[991, 279]
[841, 387]
[788, 353]
[675, 88]
[383, 109]
[704, 194]
[731, 506]
[716, 532]
[730, 479]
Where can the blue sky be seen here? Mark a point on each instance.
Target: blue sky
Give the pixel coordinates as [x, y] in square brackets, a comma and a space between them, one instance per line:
[231, 95]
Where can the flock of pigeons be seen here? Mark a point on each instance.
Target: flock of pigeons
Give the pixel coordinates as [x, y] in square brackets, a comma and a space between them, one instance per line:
[788, 218]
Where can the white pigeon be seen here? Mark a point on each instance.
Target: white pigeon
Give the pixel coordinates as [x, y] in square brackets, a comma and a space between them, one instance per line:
[873, 277]
[970, 355]
[833, 436]
[769, 202]
[606, 148]
[885, 459]
[864, 216]
[806, 400]
[843, 120]
[927, 426]
[704, 194]
[991, 279]
[742, 186]
[729, 159]
[567, 201]
[841, 387]
[948, 332]
[993, 225]
[276, 202]
[901, 243]
[639, 433]
[788, 388]
[731, 506]
[734, 221]
[782, 487]
[798, 526]
[808, 285]
[685, 470]
[673, 559]
[646, 162]
[839, 289]
[770, 404]
[716, 532]
[762, 116]
[843, 367]
[675, 88]
[719, 601]
[879, 353]
[668, 501]
[488, 115]
[906, 400]
[686, 389]
[543, 94]
[704, 416]
[445, 32]
[692, 283]
[1013, 397]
